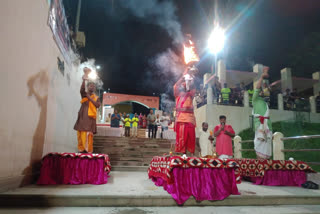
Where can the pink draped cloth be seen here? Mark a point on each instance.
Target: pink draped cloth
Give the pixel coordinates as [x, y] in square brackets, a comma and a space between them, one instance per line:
[280, 178]
[70, 170]
[203, 184]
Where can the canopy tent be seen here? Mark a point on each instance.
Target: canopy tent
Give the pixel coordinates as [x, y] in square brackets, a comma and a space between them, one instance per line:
[234, 77]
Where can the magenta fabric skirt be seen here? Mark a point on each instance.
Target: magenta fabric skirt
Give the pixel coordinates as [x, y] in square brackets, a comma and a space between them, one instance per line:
[280, 178]
[68, 170]
[202, 184]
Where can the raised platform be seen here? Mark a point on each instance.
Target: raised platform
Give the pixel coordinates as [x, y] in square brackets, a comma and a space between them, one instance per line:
[132, 189]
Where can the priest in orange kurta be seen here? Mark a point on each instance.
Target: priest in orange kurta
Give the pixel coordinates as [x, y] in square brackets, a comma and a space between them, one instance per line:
[185, 120]
[86, 123]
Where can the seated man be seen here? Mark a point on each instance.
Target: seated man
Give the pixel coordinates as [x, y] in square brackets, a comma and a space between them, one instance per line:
[224, 134]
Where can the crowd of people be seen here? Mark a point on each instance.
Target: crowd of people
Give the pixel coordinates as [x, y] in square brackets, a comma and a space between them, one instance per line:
[294, 101]
[223, 95]
[131, 124]
[235, 96]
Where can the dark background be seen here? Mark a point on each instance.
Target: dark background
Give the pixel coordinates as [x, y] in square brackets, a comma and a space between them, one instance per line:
[276, 33]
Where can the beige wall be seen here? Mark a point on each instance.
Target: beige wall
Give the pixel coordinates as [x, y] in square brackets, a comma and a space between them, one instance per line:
[238, 117]
[32, 123]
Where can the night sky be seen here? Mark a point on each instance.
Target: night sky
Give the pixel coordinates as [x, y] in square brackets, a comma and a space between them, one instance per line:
[126, 45]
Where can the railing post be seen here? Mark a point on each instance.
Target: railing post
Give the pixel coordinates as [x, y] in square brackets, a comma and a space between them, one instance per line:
[312, 104]
[278, 146]
[246, 99]
[237, 147]
[280, 102]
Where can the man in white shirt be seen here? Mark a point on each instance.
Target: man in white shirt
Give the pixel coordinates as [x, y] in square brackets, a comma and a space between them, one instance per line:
[205, 140]
[164, 122]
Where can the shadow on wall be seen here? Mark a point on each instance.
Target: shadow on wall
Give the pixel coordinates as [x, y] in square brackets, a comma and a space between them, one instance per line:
[38, 85]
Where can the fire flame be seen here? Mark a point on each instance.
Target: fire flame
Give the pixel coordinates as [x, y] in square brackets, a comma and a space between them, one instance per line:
[190, 53]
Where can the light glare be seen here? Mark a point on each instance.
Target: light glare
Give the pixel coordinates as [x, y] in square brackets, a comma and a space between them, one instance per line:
[93, 75]
[216, 40]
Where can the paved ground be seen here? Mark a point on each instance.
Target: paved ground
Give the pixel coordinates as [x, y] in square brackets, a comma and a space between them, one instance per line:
[166, 210]
[138, 184]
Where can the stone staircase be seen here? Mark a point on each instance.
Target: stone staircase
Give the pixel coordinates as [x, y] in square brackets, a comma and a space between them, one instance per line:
[130, 154]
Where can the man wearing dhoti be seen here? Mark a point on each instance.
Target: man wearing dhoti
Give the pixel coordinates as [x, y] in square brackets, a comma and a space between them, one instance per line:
[86, 123]
[205, 141]
[185, 123]
[262, 122]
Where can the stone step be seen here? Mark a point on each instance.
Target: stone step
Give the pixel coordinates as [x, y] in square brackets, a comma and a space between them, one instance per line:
[131, 142]
[129, 163]
[138, 159]
[130, 168]
[99, 138]
[142, 150]
[48, 200]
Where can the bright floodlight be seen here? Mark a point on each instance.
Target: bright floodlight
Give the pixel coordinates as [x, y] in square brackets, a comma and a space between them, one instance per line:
[93, 75]
[98, 67]
[216, 40]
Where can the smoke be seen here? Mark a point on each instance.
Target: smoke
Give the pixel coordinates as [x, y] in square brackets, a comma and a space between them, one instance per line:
[168, 68]
[161, 13]
[166, 104]
[169, 63]
[90, 63]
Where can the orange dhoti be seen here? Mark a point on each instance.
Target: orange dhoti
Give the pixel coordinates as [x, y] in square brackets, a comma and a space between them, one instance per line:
[86, 123]
[185, 121]
[85, 141]
[185, 137]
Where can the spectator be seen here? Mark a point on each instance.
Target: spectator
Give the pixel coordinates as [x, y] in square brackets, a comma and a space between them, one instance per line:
[158, 123]
[135, 120]
[127, 124]
[216, 89]
[236, 95]
[224, 134]
[115, 119]
[144, 121]
[164, 120]
[293, 98]
[198, 100]
[122, 117]
[151, 124]
[203, 94]
[225, 94]
[274, 98]
[318, 102]
[140, 120]
[250, 93]
[286, 99]
[205, 140]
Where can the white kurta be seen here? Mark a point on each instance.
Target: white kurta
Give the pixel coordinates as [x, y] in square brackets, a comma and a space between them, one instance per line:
[205, 144]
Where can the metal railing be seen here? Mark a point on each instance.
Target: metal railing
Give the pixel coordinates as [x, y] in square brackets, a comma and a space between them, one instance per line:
[278, 146]
[300, 150]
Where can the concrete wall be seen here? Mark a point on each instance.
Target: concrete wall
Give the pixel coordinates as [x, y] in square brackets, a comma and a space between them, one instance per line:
[39, 104]
[239, 117]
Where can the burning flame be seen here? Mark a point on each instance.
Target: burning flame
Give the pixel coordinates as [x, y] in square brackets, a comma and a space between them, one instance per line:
[190, 53]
